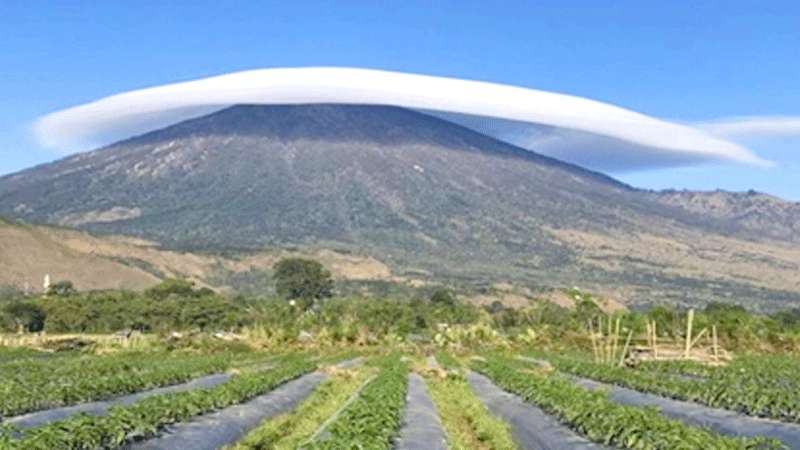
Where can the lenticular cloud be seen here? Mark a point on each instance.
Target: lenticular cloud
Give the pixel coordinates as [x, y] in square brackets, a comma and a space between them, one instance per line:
[575, 129]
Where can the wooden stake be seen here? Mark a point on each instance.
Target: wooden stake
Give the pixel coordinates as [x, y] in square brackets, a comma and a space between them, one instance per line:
[625, 348]
[689, 321]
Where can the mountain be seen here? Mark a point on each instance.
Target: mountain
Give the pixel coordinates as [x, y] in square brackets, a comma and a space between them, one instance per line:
[430, 199]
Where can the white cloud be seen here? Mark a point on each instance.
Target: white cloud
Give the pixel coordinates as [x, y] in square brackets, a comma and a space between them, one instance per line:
[754, 126]
[580, 130]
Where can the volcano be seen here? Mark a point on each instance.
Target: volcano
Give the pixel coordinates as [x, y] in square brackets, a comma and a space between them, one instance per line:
[422, 194]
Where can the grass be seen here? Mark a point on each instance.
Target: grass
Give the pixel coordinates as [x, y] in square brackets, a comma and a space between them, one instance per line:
[468, 423]
[289, 431]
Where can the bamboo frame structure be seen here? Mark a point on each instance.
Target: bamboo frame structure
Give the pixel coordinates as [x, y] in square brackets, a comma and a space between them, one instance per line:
[613, 344]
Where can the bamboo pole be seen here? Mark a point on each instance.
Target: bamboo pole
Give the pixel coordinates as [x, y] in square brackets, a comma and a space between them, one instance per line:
[715, 342]
[655, 341]
[699, 335]
[608, 341]
[689, 321]
[615, 341]
[594, 342]
[625, 348]
[599, 337]
[600, 348]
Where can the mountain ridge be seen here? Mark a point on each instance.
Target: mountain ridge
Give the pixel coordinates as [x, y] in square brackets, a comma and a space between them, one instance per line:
[421, 194]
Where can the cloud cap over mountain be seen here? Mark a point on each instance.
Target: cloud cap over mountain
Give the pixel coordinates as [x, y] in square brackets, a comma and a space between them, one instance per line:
[579, 130]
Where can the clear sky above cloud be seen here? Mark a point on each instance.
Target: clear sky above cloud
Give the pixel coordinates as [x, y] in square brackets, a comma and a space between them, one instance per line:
[695, 63]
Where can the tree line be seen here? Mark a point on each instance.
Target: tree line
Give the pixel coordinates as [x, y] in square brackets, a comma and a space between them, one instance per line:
[306, 301]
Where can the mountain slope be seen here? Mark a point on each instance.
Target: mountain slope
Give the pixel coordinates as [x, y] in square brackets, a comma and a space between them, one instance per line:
[749, 212]
[423, 195]
[29, 253]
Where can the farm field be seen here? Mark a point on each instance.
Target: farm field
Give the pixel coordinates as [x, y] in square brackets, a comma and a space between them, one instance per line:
[179, 367]
[382, 397]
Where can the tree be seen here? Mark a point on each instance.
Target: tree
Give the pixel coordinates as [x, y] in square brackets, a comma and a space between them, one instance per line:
[301, 279]
[587, 311]
[26, 315]
[172, 286]
[61, 288]
[443, 297]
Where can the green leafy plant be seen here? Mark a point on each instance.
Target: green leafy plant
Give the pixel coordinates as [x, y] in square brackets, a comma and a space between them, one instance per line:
[145, 418]
[592, 414]
[289, 431]
[467, 421]
[763, 386]
[372, 420]
[29, 385]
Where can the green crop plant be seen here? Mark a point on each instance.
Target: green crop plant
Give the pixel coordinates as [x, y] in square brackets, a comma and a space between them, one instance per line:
[757, 386]
[467, 421]
[145, 418]
[374, 417]
[31, 385]
[288, 431]
[601, 420]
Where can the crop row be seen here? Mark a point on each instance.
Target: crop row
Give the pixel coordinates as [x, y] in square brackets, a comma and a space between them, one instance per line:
[31, 387]
[677, 367]
[592, 414]
[372, 420]
[467, 421]
[11, 354]
[289, 431]
[737, 389]
[145, 418]
[779, 370]
[447, 361]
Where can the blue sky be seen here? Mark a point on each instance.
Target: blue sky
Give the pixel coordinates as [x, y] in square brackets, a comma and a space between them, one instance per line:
[683, 61]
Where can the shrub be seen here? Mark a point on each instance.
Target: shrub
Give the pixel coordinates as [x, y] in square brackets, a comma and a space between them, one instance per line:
[61, 288]
[25, 315]
[443, 297]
